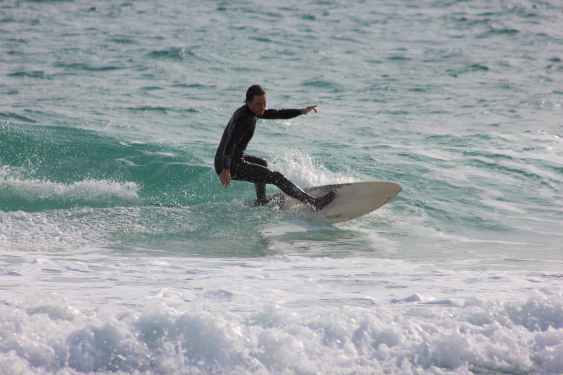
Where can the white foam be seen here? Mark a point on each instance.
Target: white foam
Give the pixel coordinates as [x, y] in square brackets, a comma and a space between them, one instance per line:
[34, 190]
[89, 312]
[281, 229]
[482, 334]
[304, 171]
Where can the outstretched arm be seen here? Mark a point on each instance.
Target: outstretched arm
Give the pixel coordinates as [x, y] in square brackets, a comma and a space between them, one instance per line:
[286, 114]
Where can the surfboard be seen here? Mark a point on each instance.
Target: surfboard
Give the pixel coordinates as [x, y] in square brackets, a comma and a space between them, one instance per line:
[352, 200]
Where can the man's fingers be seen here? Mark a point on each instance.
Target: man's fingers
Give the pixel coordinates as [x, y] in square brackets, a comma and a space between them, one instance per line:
[225, 178]
[309, 109]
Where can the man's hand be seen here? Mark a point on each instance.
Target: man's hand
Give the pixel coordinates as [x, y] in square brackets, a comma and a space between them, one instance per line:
[225, 177]
[310, 108]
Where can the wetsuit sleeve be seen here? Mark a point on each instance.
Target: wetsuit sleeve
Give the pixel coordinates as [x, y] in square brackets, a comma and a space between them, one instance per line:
[240, 128]
[285, 114]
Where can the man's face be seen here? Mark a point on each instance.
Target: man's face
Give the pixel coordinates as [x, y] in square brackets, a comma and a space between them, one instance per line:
[258, 105]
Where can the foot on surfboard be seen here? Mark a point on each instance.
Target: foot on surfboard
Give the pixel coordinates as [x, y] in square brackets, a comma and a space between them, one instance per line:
[321, 202]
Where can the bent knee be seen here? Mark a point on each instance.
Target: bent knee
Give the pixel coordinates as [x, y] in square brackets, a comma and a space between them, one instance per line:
[277, 175]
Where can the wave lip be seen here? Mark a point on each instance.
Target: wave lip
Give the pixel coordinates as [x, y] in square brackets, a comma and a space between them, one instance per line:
[36, 195]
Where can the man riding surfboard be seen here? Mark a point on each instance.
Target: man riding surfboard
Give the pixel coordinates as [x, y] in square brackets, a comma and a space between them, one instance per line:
[232, 164]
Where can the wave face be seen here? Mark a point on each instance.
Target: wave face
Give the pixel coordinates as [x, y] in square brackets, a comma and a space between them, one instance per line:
[46, 168]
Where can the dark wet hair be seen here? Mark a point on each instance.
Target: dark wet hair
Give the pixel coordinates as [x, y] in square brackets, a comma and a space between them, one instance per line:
[254, 90]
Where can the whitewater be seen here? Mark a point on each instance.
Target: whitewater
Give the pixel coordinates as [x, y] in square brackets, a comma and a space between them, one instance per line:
[121, 253]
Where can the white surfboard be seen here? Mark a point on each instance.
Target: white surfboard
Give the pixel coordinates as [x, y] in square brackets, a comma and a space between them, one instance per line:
[352, 200]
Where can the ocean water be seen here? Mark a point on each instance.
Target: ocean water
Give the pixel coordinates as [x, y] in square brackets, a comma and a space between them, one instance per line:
[121, 253]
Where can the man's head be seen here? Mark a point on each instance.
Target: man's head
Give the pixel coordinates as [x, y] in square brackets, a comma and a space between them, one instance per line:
[256, 99]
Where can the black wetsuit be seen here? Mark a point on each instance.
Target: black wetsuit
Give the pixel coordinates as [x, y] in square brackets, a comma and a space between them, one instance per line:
[230, 155]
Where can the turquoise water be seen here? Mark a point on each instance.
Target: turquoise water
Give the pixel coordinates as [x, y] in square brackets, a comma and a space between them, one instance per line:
[122, 253]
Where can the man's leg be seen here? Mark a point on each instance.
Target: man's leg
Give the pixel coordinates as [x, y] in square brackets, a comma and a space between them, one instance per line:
[260, 186]
[258, 174]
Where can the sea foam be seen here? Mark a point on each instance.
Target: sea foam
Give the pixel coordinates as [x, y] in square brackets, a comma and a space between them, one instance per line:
[49, 336]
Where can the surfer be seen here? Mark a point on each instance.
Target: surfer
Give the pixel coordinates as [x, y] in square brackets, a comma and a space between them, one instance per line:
[232, 164]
